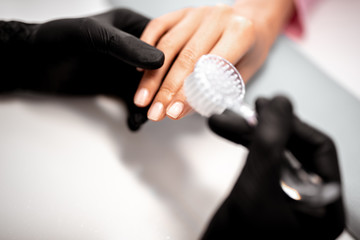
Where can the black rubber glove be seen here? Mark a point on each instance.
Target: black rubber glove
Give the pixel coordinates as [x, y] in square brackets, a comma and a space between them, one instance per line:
[81, 56]
[257, 207]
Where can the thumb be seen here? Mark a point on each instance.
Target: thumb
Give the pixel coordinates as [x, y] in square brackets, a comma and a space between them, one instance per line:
[107, 39]
[133, 51]
[231, 126]
[122, 27]
[130, 25]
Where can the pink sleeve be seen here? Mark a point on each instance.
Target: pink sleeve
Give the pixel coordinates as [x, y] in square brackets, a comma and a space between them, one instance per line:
[296, 27]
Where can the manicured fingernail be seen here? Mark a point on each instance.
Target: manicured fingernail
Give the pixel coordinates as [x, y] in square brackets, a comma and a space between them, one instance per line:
[175, 110]
[139, 69]
[156, 111]
[141, 97]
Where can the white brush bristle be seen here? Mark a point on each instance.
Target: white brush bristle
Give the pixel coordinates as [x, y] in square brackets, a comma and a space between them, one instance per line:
[214, 86]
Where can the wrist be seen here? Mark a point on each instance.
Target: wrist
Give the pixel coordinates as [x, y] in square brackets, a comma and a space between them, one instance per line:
[269, 17]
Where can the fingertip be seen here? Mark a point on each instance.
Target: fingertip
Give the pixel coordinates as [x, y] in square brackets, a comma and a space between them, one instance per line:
[136, 121]
[275, 123]
[151, 58]
[283, 103]
[280, 103]
[133, 51]
[158, 59]
[231, 126]
[141, 97]
[175, 110]
[260, 103]
[156, 112]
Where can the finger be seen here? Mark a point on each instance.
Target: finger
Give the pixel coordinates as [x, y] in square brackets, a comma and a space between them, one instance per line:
[231, 126]
[171, 43]
[234, 127]
[236, 40]
[237, 28]
[260, 103]
[272, 132]
[90, 34]
[315, 150]
[123, 45]
[202, 41]
[109, 40]
[136, 117]
[178, 108]
[131, 50]
[157, 27]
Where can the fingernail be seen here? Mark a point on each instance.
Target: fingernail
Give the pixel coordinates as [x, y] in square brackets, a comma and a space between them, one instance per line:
[139, 69]
[175, 110]
[141, 97]
[156, 111]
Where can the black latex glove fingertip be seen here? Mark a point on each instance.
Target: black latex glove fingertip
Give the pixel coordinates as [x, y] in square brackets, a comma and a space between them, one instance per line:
[132, 50]
[136, 120]
[153, 59]
[283, 103]
[260, 103]
[275, 121]
[279, 105]
[232, 127]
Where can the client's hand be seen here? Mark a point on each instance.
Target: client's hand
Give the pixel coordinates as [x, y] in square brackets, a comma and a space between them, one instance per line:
[257, 207]
[242, 34]
[85, 56]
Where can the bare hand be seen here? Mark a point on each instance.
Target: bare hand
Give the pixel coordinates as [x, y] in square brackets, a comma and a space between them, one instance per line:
[187, 34]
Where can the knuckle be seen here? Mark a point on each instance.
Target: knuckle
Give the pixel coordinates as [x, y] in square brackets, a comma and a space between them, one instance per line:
[156, 24]
[283, 102]
[167, 42]
[187, 58]
[241, 26]
[98, 40]
[240, 22]
[166, 93]
[153, 86]
[223, 8]
[150, 81]
[247, 22]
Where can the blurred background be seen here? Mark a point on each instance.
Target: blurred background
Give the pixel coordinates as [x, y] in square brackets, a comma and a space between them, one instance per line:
[331, 42]
[331, 39]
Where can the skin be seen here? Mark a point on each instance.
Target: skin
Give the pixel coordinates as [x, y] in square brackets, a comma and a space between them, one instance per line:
[243, 34]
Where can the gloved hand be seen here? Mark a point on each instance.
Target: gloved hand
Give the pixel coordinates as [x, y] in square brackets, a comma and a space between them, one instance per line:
[81, 56]
[257, 207]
